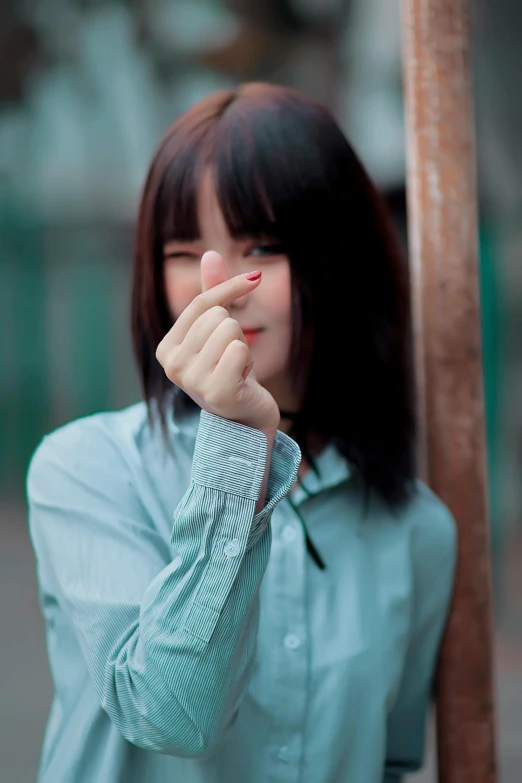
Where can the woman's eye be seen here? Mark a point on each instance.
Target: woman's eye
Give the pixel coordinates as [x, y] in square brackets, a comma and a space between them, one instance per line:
[272, 249]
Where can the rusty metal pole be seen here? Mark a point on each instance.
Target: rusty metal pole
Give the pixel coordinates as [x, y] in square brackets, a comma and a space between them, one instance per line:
[443, 251]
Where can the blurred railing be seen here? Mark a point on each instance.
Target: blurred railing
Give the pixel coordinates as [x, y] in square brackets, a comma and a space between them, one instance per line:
[64, 315]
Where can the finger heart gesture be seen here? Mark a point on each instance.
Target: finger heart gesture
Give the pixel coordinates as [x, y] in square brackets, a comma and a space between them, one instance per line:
[206, 353]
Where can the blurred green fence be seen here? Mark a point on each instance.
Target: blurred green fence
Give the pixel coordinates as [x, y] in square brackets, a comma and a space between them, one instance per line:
[65, 349]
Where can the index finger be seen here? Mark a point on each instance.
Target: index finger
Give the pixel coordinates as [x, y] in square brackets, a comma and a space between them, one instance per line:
[222, 294]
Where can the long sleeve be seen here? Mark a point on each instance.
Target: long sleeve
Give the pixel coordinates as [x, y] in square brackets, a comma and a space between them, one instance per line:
[433, 546]
[168, 633]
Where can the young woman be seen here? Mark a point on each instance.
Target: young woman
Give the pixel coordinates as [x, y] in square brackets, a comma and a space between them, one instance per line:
[219, 609]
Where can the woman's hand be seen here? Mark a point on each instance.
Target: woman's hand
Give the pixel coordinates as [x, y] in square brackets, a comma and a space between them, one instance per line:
[206, 354]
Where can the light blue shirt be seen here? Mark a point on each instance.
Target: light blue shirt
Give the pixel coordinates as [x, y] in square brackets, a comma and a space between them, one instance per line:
[192, 641]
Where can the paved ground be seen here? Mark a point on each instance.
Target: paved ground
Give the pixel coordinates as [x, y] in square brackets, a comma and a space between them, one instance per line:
[24, 679]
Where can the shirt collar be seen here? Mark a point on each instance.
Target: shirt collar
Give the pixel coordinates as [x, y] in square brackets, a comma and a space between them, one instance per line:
[333, 469]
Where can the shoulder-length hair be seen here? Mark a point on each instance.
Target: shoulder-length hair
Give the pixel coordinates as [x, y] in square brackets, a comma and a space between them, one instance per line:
[283, 169]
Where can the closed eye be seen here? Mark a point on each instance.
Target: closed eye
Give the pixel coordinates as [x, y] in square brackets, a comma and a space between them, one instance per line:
[182, 254]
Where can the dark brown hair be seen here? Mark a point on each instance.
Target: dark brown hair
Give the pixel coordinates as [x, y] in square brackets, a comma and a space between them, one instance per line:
[284, 169]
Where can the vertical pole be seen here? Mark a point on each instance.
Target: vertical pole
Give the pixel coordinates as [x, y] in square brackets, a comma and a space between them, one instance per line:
[443, 248]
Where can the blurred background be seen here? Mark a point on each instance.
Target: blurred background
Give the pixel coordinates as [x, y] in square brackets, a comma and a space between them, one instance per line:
[86, 90]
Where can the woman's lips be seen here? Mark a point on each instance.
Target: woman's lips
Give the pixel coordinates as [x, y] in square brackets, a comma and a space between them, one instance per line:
[251, 334]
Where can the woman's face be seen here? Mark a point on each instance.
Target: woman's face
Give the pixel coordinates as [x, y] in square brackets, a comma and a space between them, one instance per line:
[264, 314]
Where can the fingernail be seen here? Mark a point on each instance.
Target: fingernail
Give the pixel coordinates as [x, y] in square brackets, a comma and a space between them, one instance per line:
[253, 275]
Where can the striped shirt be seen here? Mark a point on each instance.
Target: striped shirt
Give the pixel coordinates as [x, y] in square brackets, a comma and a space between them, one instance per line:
[193, 641]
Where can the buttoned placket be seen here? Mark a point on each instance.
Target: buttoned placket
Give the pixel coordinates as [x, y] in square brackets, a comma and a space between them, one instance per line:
[289, 621]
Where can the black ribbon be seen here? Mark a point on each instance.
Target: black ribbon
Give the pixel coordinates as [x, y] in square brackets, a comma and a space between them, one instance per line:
[312, 551]
[288, 415]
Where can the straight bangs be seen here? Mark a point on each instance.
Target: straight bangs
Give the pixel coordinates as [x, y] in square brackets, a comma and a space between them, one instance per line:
[243, 165]
[263, 161]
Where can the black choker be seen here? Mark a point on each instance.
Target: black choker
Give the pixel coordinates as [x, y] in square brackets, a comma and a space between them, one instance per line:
[288, 415]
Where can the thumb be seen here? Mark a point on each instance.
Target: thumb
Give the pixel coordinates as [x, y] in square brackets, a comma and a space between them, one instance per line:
[212, 270]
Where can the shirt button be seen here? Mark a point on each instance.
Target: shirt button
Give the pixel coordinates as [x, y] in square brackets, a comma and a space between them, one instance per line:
[284, 753]
[232, 548]
[292, 641]
[289, 533]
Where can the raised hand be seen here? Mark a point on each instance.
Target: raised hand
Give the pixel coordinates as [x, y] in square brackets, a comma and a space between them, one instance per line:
[206, 354]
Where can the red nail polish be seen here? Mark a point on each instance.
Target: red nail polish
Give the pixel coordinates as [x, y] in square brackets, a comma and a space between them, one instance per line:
[253, 275]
